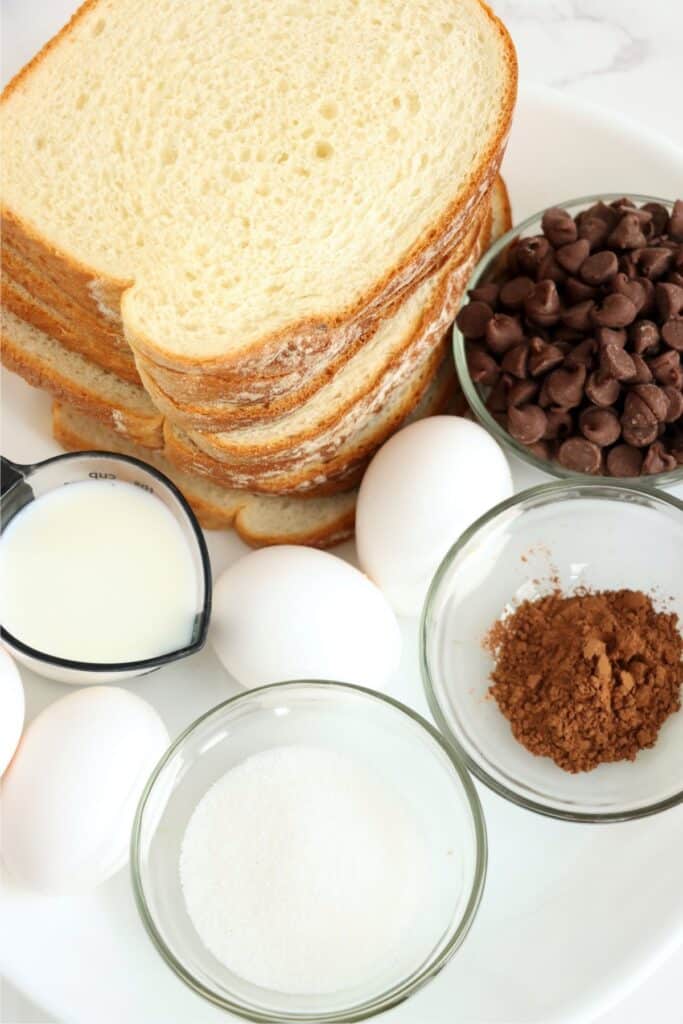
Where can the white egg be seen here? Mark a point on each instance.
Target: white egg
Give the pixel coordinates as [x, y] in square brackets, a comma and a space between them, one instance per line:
[427, 484]
[297, 613]
[11, 708]
[70, 794]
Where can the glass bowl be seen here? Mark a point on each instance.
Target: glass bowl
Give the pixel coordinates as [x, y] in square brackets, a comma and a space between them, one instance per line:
[476, 394]
[567, 535]
[391, 740]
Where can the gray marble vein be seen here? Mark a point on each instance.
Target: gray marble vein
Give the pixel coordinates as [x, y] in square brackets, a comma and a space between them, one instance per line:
[623, 54]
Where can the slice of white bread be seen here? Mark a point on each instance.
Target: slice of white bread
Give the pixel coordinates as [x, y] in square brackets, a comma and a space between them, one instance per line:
[363, 383]
[233, 399]
[370, 417]
[386, 355]
[88, 340]
[304, 163]
[258, 519]
[429, 393]
[70, 377]
[33, 298]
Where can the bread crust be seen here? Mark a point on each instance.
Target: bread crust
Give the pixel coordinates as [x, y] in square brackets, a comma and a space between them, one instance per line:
[211, 417]
[145, 430]
[332, 529]
[42, 288]
[293, 344]
[217, 417]
[91, 346]
[369, 393]
[324, 475]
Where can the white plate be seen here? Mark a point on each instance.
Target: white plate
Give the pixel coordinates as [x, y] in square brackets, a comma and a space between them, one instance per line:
[573, 916]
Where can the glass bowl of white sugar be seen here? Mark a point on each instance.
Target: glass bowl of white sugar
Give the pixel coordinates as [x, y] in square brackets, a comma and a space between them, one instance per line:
[308, 851]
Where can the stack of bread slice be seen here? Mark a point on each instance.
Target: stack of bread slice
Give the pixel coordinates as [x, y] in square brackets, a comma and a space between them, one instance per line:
[251, 287]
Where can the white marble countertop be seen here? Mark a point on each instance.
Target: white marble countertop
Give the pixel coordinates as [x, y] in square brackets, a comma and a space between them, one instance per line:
[625, 55]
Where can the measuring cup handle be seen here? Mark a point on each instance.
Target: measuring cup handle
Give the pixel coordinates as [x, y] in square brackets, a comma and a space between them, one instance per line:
[10, 474]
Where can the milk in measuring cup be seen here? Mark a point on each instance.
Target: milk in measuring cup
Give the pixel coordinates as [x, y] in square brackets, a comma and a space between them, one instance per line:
[97, 571]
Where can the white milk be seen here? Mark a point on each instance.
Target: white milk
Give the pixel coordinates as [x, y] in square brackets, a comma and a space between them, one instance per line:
[97, 571]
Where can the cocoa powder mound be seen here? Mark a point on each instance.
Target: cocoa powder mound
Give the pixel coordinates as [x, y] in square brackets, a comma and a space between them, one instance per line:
[587, 678]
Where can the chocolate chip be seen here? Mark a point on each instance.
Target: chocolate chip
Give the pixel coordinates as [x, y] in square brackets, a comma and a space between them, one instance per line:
[522, 391]
[599, 268]
[473, 318]
[514, 292]
[497, 400]
[487, 293]
[558, 226]
[653, 262]
[601, 426]
[615, 311]
[627, 266]
[667, 368]
[643, 373]
[672, 333]
[638, 423]
[530, 253]
[622, 203]
[543, 357]
[628, 234]
[482, 367]
[658, 459]
[577, 291]
[649, 304]
[660, 217]
[616, 362]
[582, 354]
[675, 229]
[669, 299]
[515, 360]
[632, 289]
[544, 399]
[655, 399]
[580, 455]
[595, 231]
[675, 399]
[526, 423]
[559, 424]
[503, 332]
[550, 270]
[603, 391]
[610, 336]
[568, 335]
[604, 212]
[644, 336]
[578, 317]
[542, 450]
[565, 386]
[627, 206]
[570, 257]
[542, 306]
[624, 461]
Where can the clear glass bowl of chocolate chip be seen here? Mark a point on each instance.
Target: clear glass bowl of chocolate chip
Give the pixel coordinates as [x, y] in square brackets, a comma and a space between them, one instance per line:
[569, 342]
[577, 719]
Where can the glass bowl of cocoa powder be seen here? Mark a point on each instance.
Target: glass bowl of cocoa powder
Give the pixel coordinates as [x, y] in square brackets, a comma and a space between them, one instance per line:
[551, 650]
[569, 341]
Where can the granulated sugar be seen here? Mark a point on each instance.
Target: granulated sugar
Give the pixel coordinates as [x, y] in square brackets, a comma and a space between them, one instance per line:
[301, 870]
